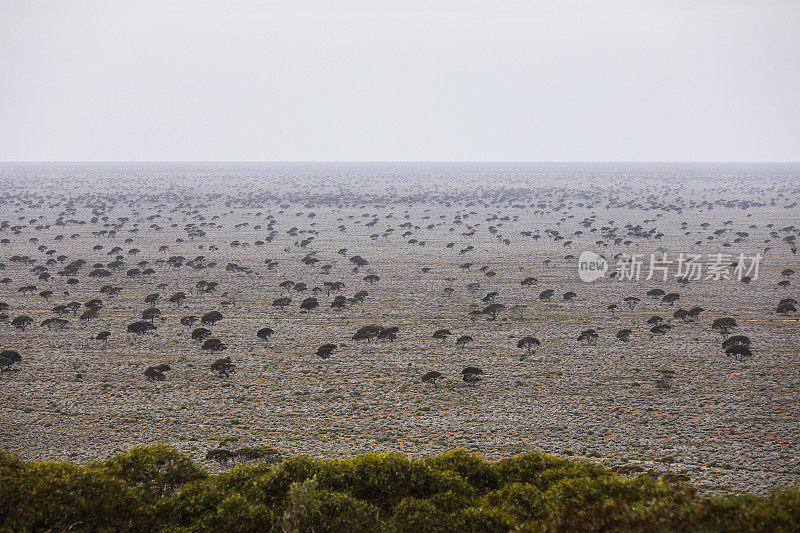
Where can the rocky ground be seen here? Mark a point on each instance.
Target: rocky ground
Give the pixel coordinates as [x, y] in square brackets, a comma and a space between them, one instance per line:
[729, 425]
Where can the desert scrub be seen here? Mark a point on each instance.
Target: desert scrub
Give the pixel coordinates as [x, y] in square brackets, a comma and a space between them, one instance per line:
[154, 488]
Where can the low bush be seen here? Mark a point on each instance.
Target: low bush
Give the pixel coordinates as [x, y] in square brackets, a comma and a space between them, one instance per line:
[156, 488]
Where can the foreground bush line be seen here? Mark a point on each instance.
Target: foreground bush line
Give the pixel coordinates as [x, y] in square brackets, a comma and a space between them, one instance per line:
[155, 488]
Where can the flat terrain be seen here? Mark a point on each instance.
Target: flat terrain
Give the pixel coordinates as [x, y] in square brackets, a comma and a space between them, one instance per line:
[728, 424]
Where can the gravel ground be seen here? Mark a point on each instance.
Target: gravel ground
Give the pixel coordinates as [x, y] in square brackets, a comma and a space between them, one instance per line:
[729, 425]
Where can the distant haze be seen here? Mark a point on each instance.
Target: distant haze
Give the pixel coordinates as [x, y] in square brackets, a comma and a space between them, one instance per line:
[461, 80]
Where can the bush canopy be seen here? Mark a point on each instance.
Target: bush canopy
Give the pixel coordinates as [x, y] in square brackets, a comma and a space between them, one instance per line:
[156, 488]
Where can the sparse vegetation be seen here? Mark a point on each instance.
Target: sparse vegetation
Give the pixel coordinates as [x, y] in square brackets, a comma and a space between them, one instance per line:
[400, 309]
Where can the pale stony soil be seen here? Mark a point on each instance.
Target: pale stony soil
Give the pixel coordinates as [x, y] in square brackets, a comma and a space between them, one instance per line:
[729, 425]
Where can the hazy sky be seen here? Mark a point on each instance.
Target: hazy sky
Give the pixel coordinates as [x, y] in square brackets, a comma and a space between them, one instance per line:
[595, 80]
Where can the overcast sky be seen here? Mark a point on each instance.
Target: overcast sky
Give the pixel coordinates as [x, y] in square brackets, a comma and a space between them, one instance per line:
[372, 80]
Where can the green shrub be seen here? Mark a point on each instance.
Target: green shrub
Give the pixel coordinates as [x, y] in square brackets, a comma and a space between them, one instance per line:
[522, 501]
[479, 520]
[384, 479]
[452, 500]
[159, 469]
[322, 511]
[61, 496]
[481, 475]
[526, 467]
[152, 488]
[577, 492]
[414, 514]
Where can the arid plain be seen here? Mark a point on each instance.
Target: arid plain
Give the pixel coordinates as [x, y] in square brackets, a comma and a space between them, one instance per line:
[439, 239]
